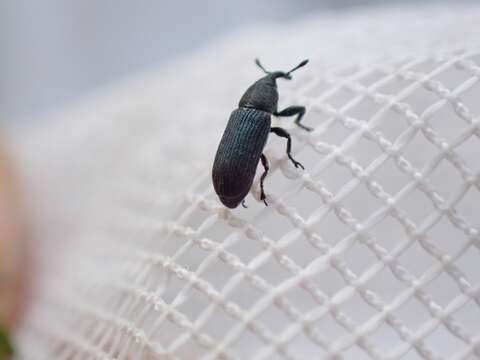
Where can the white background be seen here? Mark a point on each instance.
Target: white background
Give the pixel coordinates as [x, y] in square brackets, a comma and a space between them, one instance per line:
[52, 51]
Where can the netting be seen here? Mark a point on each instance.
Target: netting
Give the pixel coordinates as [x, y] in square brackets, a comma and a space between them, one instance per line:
[370, 253]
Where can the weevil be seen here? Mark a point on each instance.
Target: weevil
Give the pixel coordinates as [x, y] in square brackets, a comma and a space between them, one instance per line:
[242, 143]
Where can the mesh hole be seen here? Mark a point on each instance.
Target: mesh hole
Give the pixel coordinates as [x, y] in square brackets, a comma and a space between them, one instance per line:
[334, 177]
[172, 243]
[364, 110]
[358, 310]
[468, 205]
[331, 229]
[361, 203]
[447, 237]
[359, 258]
[218, 273]
[468, 263]
[318, 89]
[273, 272]
[245, 248]
[329, 281]
[468, 152]
[421, 99]
[416, 260]
[341, 97]
[452, 77]
[469, 316]
[446, 123]
[245, 294]
[274, 319]
[173, 286]
[331, 328]
[194, 305]
[446, 180]
[419, 151]
[301, 300]
[247, 344]
[388, 233]
[166, 332]
[390, 177]
[192, 257]
[417, 205]
[218, 324]
[392, 124]
[335, 134]
[470, 99]
[364, 152]
[304, 202]
[413, 314]
[384, 338]
[441, 341]
[219, 232]
[386, 285]
[442, 289]
[394, 86]
[276, 226]
[302, 252]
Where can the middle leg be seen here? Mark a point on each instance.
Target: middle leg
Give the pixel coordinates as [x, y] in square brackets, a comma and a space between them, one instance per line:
[283, 133]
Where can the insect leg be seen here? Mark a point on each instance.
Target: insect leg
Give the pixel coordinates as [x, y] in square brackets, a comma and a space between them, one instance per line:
[294, 110]
[283, 133]
[264, 175]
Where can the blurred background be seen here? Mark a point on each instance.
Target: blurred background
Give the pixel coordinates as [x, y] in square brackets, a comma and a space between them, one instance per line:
[53, 51]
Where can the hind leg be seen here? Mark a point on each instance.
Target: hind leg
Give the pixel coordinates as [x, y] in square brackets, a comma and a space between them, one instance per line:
[292, 111]
[264, 175]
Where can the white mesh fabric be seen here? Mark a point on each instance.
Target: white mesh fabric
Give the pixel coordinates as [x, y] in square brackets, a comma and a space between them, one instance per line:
[371, 252]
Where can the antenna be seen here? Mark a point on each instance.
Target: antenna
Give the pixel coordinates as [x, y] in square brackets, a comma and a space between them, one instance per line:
[261, 66]
[303, 63]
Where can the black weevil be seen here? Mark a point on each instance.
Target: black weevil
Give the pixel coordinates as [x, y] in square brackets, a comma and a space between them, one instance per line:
[245, 136]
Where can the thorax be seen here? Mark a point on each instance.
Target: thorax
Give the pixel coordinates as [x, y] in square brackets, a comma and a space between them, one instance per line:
[261, 95]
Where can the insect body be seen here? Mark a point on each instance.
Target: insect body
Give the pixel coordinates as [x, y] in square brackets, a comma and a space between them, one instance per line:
[245, 136]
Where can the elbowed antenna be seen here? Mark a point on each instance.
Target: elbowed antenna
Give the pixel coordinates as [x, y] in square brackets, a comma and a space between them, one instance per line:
[257, 61]
[303, 63]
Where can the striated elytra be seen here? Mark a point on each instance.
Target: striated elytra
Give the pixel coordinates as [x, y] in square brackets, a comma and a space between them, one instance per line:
[245, 136]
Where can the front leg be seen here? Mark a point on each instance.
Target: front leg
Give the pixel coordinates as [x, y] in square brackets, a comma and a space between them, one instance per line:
[283, 133]
[294, 110]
